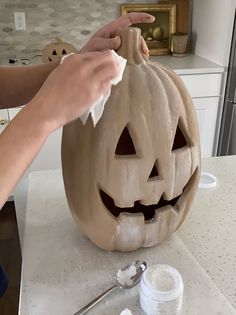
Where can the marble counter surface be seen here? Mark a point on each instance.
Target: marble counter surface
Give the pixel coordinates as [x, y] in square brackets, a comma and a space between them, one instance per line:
[191, 64]
[21, 59]
[210, 230]
[62, 270]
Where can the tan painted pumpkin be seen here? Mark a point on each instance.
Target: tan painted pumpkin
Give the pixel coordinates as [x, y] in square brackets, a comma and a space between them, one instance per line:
[55, 51]
[131, 180]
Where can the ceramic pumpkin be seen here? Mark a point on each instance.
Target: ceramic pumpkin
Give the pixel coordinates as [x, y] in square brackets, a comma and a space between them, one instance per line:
[130, 181]
[55, 51]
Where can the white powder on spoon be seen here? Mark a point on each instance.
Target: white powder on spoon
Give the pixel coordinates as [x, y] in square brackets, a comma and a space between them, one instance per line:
[124, 277]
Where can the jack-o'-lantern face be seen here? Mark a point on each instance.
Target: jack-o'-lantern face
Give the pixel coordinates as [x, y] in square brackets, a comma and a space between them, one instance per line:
[55, 51]
[131, 180]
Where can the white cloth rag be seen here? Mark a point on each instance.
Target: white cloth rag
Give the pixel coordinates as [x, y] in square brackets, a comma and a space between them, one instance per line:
[97, 108]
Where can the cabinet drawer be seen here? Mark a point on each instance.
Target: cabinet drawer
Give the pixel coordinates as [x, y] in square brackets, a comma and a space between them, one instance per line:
[203, 85]
[4, 119]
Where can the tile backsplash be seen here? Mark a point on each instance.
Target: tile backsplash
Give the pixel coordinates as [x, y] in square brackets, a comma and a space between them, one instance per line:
[73, 20]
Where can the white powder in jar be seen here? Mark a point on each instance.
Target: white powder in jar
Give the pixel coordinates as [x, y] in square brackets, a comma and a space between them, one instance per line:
[124, 277]
[126, 311]
[161, 280]
[161, 290]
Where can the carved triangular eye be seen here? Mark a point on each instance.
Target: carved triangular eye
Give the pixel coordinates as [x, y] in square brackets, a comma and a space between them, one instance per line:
[154, 172]
[64, 52]
[179, 140]
[54, 52]
[125, 145]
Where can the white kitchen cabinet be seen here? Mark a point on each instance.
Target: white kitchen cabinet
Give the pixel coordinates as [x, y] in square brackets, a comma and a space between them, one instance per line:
[205, 90]
[204, 81]
[206, 110]
[203, 85]
[49, 156]
[4, 119]
[5, 116]
[13, 111]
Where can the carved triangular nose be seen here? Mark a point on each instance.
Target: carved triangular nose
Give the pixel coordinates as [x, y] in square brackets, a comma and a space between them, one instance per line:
[154, 172]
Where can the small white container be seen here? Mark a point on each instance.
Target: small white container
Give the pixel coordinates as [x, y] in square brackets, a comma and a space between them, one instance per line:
[161, 290]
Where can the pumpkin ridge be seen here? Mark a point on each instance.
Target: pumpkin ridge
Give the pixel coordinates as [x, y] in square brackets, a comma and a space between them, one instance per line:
[166, 79]
[186, 98]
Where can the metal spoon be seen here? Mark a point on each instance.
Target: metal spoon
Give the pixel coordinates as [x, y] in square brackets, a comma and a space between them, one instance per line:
[133, 281]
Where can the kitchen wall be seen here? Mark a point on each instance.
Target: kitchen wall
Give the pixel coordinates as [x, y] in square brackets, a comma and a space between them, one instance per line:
[212, 24]
[76, 20]
[73, 20]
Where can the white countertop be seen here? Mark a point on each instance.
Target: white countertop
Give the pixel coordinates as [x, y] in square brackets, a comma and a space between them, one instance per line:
[190, 64]
[210, 230]
[62, 271]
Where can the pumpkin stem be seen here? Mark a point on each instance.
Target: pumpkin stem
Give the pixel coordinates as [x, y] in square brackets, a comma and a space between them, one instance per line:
[58, 39]
[130, 48]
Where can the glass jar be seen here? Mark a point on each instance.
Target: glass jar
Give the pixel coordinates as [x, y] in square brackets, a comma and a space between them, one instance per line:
[161, 290]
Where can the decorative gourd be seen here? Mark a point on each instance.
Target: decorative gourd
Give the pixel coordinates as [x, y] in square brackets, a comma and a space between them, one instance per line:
[55, 51]
[131, 180]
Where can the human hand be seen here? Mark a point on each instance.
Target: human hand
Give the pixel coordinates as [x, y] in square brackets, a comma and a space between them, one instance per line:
[107, 38]
[74, 86]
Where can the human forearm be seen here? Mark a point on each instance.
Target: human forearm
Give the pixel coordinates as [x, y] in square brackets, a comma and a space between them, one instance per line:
[20, 84]
[20, 142]
[59, 97]
[68, 91]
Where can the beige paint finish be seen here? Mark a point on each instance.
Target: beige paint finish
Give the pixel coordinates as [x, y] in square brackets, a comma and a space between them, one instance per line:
[113, 193]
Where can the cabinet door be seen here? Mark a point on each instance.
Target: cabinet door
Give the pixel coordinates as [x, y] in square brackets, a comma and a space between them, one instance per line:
[49, 156]
[4, 119]
[20, 190]
[13, 112]
[206, 109]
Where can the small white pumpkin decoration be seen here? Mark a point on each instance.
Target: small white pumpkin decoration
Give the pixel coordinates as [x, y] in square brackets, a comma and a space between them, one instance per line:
[131, 180]
[55, 51]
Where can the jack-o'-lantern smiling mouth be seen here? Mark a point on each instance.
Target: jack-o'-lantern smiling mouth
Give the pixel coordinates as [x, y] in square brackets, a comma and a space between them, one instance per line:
[148, 211]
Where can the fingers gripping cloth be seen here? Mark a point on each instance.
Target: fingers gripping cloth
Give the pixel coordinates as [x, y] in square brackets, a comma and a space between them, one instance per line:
[96, 109]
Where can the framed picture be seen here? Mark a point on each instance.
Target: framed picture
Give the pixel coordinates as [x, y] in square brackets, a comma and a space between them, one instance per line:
[157, 34]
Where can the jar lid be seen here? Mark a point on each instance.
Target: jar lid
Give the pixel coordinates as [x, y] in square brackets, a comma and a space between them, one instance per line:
[207, 180]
